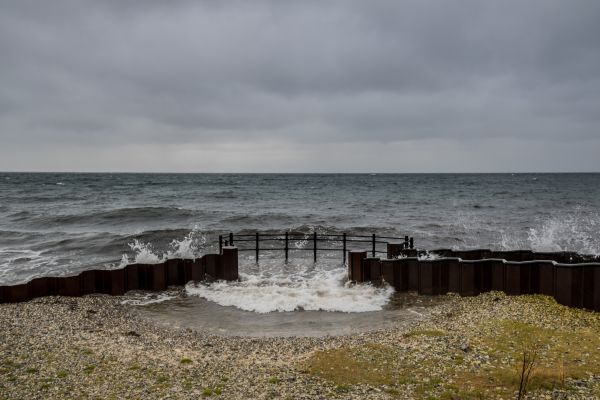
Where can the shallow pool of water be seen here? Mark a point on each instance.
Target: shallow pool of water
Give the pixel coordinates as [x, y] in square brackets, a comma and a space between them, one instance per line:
[196, 313]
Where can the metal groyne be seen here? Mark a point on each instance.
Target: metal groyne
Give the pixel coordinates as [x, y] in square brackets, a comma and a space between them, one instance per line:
[570, 278]
[153, 277]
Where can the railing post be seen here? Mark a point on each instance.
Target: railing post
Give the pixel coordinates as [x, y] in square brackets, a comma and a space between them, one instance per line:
[406, 242]
[315, 246]
[344, 244]
[286, 246]
[373, 250]
[231, 238]
[220, 244]
[412, 243]
[257, 239]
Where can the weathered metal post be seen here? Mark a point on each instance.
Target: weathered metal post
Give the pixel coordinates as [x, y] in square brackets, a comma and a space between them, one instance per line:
[220, 244]
[406, 242]
[315, 246]
[257, 239]
[229, 264]
[231, 238]
[344, 244]
[286, 246]
[412, 243]
[373, 250]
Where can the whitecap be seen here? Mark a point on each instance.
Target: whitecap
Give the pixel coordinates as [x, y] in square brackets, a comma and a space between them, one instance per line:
[316, 290]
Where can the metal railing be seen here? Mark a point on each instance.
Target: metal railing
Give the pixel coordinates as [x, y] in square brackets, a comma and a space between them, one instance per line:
[285, 238]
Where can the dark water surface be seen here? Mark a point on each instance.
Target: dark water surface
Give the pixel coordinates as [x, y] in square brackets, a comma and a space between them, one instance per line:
[62, 223]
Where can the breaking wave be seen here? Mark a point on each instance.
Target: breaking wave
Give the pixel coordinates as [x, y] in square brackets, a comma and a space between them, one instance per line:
[191, 246]
[310, 290]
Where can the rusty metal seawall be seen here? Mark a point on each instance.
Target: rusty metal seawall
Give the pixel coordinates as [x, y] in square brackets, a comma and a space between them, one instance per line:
[565, 276]
[153, 277]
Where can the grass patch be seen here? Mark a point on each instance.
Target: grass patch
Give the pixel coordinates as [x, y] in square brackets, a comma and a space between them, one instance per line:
[561, 355]
[31, 370]
[185, 361]
[567, 350]
[61, 374]
[88, 369]
[274, 380]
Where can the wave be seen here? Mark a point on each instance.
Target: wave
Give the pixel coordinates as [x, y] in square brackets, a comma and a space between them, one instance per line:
[192, 245]
[577, 230]
[312, 290]
[121, 216]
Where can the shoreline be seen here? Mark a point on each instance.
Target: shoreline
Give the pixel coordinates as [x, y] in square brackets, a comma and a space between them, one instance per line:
[95, 347]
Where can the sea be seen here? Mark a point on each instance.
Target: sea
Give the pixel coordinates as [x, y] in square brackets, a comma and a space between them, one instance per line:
[57, 224]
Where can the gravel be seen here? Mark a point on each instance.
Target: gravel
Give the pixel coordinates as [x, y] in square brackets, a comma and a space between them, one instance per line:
[96, 347]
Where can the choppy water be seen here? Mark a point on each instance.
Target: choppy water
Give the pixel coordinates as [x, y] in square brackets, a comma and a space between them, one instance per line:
[54, 223]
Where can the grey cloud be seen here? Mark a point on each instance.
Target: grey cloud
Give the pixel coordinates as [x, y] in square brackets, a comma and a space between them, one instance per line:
[116, 73]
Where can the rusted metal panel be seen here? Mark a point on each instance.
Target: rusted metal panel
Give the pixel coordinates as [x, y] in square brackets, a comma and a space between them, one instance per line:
[172, 272]
[159, 278]
[144, 276]
[211, 262]
[467, 278]
[39, 287]
[486, 274]
[546, 278]
[587, 286]
[426, 278]
[68, 286]
[596, 287]
[16, 293]
[371, 269]
[117, 279]
[88, 282]
[197, 270]
[132, 277]
[401, 274]
[355, 265]
[568, 287]
[454, 275]
[388, 271]
[230, 263]
[513, 278]
[413, 273]
[498, 274]
[443, 282]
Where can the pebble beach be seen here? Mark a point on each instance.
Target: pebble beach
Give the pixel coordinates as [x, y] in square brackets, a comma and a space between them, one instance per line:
[95, 347]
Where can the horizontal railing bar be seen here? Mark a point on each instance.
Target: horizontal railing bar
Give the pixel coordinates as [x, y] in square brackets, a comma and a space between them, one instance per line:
[303, 249]
[308, 235]
[318, 239]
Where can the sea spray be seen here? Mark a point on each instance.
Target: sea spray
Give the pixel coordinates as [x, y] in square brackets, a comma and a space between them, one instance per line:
[321, 289]
[191, 246]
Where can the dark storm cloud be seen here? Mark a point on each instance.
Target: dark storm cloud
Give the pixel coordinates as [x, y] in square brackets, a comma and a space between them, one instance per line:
[108, 77]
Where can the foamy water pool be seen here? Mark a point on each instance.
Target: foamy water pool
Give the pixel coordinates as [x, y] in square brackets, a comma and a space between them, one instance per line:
[206, 316]
[274, 298]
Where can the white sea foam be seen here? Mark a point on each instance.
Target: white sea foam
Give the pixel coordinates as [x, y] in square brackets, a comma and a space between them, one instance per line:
[326, 290]
[576, 230]
[149, 298]
[428, 256]
[191, 246]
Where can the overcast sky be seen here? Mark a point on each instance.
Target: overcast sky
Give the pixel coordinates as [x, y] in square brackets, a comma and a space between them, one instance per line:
[304, 86]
